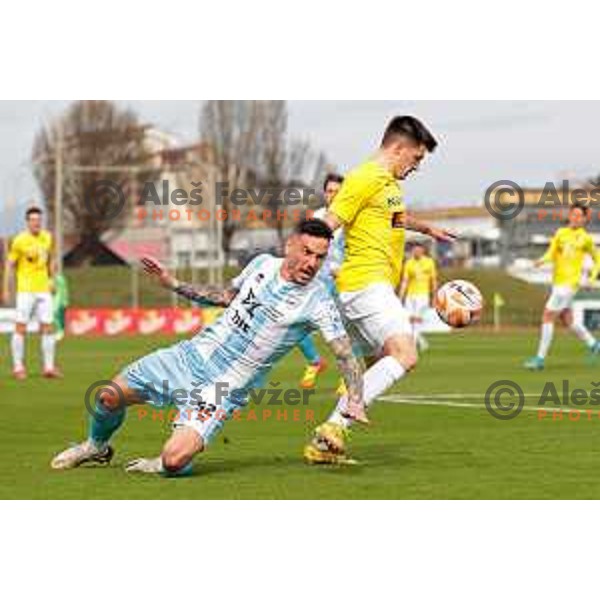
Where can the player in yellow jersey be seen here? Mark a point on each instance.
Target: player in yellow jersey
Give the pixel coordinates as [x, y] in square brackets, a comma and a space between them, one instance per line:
[31, 259]
[419, 283]
[567, 252]
[370, 208]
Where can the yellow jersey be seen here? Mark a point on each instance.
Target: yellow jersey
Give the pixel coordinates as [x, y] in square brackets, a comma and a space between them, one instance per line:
[419, 274]
[567, 252]
[31, 256]
[370, 205]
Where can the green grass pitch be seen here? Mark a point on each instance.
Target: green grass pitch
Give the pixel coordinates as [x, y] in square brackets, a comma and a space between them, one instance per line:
[412, 450]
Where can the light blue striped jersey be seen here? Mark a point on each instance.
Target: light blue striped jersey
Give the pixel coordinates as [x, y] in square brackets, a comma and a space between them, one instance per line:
[267, 318]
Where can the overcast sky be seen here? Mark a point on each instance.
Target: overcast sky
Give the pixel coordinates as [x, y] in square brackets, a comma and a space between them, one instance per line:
[481, 142]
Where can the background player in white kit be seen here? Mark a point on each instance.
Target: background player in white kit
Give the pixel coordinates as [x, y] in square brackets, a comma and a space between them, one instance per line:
[271, 305]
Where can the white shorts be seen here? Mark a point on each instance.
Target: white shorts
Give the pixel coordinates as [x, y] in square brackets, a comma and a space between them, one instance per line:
[175, 378]
[561, 298]
[34, 306]
[374, 314]
[417, 306]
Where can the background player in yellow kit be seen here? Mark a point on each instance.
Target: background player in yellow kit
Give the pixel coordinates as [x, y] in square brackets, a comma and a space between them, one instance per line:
[567, 252]
[419, 283]
[31, 259]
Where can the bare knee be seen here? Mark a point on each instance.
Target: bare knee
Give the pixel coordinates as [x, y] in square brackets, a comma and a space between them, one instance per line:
[117, 395]
[402, 348]
[21, 328]
[179, 450]
[567, 318]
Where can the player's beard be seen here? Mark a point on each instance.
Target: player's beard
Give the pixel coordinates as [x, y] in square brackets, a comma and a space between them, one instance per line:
[298, 274]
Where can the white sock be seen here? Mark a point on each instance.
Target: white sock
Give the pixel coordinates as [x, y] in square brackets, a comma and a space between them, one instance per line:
[17, 346]
[415, 331]
[379, 378]
[545, 339]
[420, 341]
[583, 333]
[48, 346]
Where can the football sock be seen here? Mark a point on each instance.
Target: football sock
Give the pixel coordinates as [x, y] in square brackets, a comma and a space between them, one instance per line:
[17, 346]
[104, 422]
[48, 345]
[583, 334]
[379, 378]
[308, 348]
[545, 339]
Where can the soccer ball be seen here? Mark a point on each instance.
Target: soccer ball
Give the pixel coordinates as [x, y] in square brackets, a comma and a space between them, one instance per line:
[459, 303]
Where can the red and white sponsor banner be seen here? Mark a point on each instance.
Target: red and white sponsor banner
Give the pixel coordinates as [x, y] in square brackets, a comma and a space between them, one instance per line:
[140, 321]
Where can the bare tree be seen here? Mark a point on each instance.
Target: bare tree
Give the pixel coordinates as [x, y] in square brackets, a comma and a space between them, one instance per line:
[250, 147]
[291, 163]
[95, 134]
[273, 155]
[230, 130]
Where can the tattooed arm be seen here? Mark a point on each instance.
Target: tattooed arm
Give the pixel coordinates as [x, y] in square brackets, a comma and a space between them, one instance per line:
[351, 371]
[207, 296]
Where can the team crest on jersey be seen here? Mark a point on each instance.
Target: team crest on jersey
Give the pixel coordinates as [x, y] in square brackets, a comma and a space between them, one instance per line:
[293, 301]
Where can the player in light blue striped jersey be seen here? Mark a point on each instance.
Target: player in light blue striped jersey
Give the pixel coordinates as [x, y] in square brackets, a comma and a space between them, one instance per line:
[272, 305]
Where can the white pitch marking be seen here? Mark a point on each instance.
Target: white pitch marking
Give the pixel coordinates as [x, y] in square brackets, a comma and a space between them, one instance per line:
[423, 401]
[445, 396]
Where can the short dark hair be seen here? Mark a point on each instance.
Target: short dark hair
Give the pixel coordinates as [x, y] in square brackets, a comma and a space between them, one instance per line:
[332, 177]
[411, 128]
[315, 228]
[584, 208]
[34, 210]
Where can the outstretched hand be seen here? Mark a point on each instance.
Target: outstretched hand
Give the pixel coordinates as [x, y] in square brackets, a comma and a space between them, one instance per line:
[154, 268]
[442, 235]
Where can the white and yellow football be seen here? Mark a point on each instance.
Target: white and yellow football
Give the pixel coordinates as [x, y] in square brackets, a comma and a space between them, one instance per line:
[459, 303]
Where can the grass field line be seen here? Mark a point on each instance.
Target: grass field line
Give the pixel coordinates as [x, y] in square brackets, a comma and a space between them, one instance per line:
[447, 400]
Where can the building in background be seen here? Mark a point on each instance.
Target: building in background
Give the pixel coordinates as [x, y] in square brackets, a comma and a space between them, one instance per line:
[478, 235]
[190, 241]
[527, 236]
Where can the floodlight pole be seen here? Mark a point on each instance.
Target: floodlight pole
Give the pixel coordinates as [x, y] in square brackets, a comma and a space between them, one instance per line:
[135, 276]
[58, 195]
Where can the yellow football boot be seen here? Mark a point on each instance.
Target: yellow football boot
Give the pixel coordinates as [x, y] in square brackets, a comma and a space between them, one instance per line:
[315, 456]
[332, 435]
[311, 373]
